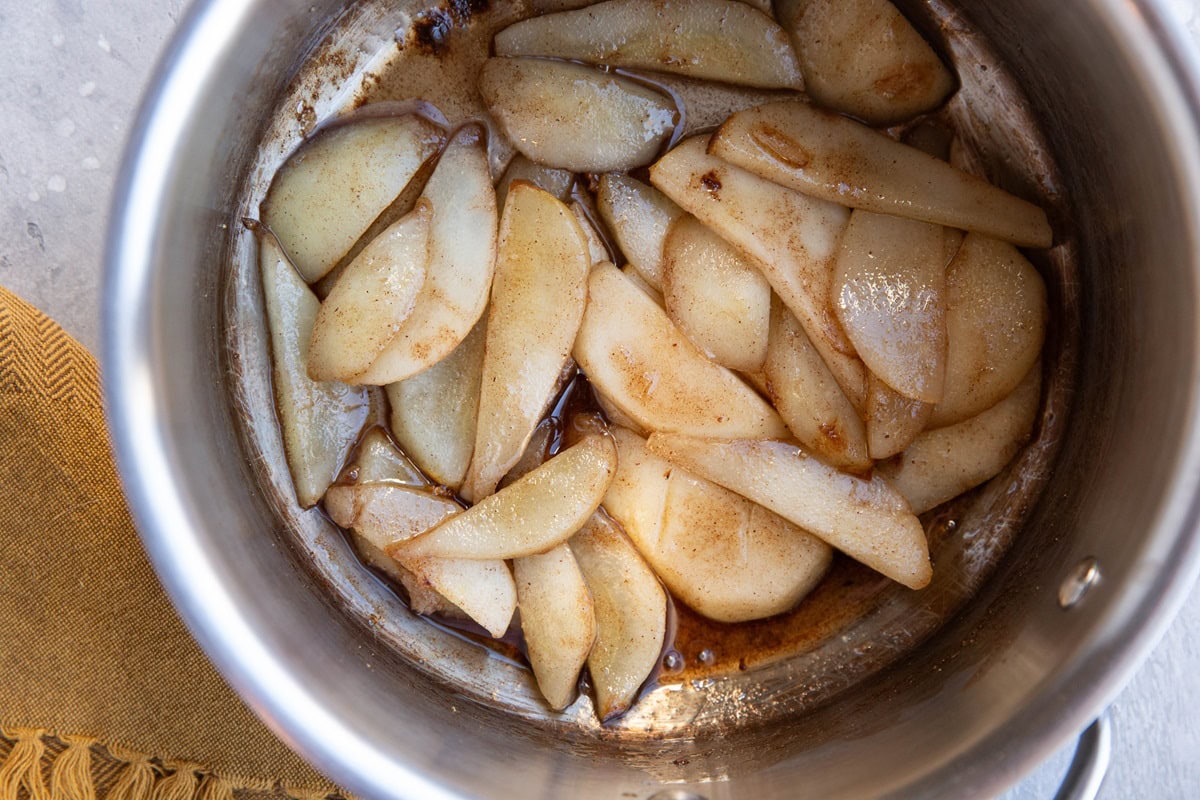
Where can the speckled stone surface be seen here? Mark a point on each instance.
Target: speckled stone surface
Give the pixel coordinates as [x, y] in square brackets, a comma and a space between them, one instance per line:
[73, 71]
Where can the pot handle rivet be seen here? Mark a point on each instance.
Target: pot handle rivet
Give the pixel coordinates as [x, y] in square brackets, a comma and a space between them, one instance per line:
[1082, 577]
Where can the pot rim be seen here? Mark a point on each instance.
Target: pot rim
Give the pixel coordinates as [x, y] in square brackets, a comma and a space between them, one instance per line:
[170, 534]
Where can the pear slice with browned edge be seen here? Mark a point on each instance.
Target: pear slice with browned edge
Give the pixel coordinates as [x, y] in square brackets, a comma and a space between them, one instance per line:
[890, 295]
[867, 520]
[943, 463]
[996, 323]
[724, 556]
[893, 420]
[371, 299]
[643, 364]
[319, 421]
[638, 216]
[631, 614]
[533, 515]
[331, 189]
[462, 257]
[538, 297]
[716, 296]
[433, 413]
[386, 515]
[794, 243]
[719, 40]
[808, 397]
[575, 118]
[557, 182]
[864, 58]
[837, 159]
[378, 460]
[597, 249]
[558, 620]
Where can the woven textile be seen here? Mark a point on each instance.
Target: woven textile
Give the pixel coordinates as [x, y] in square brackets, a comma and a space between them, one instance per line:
[103, 693]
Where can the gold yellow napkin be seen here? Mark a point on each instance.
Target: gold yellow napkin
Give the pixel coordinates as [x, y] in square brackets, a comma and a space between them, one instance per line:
[103, 693]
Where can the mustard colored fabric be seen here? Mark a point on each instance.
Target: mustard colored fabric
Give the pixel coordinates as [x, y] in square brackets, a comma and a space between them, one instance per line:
[103, 693]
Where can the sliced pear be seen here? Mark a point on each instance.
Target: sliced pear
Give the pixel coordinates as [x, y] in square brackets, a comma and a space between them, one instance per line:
[794, 245]
[867, 520]
[597, 249]
[729, 559]
[538, 296]
[386, 515]
[616, 416]
[331, 189]
[558, 620]
[716, 296]
[639, 216]
[572, 117]
[643, 364]
[557, 182]
[716, 39]
[462, 257]
[536, 452]
[377, 460]
[864, 58]
[808, 397]
[890, 295]
[837, 159]
[319, 421]
[893, 420]
[631, 614]
[706, 104]
[433, 413]
[996, 323]
[637, 280]
[371, 299]
[944, 463]
[533, 515]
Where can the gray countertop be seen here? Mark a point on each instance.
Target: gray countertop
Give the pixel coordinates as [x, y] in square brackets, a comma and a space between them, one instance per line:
[73, 72]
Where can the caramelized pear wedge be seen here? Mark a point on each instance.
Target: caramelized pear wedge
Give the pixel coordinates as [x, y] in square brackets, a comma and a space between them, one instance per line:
[597, 249]
[372, 297]
[867, 520]
[575, 118]
[808, 397]
[462, 257]
[794, 244]
[837, 159]
[538, 297]
[643, 364]
[534, 514]
[719, 40]
[716, 296]
[996, 322]
[557, 182]
[331, 189]
[893, 420]
[943, 463]
[558, 620]
[631, 614]
[638, 216]
[724, 556]
[433, 413]
[319, 421]
[890, 295]
[378, 460]
[387, 515]
[864, 58]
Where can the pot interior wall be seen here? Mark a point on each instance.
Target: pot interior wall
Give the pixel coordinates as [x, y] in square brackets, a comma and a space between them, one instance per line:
[382, 727]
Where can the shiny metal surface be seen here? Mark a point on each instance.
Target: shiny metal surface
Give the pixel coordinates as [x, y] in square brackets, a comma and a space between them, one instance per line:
[982, 702]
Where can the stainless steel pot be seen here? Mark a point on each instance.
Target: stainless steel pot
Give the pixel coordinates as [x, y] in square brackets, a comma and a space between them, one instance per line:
[1100, 567]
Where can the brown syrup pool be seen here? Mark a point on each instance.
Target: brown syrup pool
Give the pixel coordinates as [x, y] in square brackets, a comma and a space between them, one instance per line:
[855, 622]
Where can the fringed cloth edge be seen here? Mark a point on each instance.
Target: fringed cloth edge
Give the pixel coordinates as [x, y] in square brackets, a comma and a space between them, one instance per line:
[37, 764]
